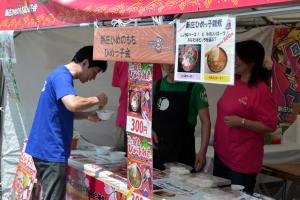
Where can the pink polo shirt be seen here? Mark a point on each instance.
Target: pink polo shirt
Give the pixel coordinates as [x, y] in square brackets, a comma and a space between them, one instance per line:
[120, 79]
[240, 148]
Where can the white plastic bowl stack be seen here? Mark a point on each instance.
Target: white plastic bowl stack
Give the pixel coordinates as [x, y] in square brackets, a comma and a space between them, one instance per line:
[105, 114]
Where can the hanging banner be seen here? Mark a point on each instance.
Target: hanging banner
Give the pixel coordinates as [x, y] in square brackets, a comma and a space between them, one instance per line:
[24, 179]
[21, 14]
[139, 128]
[83, 186]
[10, 80]
[7, 48]
[286, 71]
[142, 44]
[205, 50]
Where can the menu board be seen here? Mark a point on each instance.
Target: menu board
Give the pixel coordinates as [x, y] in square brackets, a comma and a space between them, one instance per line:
[139, 126]
[205, 50]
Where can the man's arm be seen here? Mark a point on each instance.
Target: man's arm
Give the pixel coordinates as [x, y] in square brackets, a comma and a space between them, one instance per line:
[78, 104]
[204, 116]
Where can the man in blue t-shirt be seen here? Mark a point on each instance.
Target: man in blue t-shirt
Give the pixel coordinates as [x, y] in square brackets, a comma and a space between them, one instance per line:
[51, 134]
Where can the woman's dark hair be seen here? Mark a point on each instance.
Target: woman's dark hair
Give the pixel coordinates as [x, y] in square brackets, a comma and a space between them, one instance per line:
[251, 51]
[87, 53]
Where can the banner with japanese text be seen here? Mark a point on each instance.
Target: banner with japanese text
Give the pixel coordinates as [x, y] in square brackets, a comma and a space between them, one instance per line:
[139, 129]
[22, 14]
[83, 186]
[286, 71]
[142, 44]
[25, 176]
[205, 50]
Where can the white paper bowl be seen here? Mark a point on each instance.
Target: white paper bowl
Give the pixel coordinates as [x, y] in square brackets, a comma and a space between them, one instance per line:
[103, 150]
[105, 114]
[237, 187]
[117, 155]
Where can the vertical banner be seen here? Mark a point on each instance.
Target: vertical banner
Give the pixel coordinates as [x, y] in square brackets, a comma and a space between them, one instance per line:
[10, 80]
[286, 71]
[24, 179]
[139, 128]
[7, 58]
[7, 48]
[205, 50]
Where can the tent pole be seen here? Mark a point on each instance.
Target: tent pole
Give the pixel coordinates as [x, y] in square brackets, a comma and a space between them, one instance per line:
[273, 11]
[2, 85]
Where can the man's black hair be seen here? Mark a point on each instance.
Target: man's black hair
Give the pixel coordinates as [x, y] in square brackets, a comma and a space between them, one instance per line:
[87, 53]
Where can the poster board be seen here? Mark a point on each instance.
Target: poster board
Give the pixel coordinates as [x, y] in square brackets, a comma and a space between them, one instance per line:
[286, 72]
[205, 50]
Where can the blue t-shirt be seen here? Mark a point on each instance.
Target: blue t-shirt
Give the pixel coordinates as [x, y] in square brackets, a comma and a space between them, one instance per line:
[52, 129]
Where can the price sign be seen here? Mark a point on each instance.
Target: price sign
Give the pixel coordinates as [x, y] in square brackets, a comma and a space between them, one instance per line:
[138, 126]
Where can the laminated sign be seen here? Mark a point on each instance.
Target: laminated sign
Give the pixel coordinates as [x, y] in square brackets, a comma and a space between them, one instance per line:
[205, 50]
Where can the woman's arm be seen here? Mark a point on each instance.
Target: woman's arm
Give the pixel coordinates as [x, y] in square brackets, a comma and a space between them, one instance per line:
[236, 121]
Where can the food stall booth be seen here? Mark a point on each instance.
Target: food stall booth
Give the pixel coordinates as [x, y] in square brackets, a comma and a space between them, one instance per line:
[99, 178]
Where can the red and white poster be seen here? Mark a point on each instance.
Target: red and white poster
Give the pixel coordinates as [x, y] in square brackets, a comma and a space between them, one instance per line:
[139, 126]
[286, 71]
[24, 178]
[85, 187]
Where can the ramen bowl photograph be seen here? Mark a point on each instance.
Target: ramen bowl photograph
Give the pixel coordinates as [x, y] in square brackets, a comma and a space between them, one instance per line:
[216, 59]
[189, 58]
[135, 175]
[134, 101]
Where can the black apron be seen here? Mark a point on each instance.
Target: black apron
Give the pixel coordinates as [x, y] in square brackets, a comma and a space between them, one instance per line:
[175, 133]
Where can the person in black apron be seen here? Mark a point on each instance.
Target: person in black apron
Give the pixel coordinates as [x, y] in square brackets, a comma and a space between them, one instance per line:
[176, 140]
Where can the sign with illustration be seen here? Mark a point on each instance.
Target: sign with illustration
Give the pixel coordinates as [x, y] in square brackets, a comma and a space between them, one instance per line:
[286, 71]
[139, 114]
[139, 126]
[143, 44]
[205, 50]
[24, 179]
[83, 186]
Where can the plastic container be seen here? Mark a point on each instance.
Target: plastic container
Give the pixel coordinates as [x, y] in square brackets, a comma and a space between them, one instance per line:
[117, 155]
[177, 168]
[76, 136]
[74, 143]
[103, 150]
[105, 114]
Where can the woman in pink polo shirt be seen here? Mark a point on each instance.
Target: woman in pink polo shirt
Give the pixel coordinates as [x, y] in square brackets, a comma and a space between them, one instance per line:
[244, 113]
